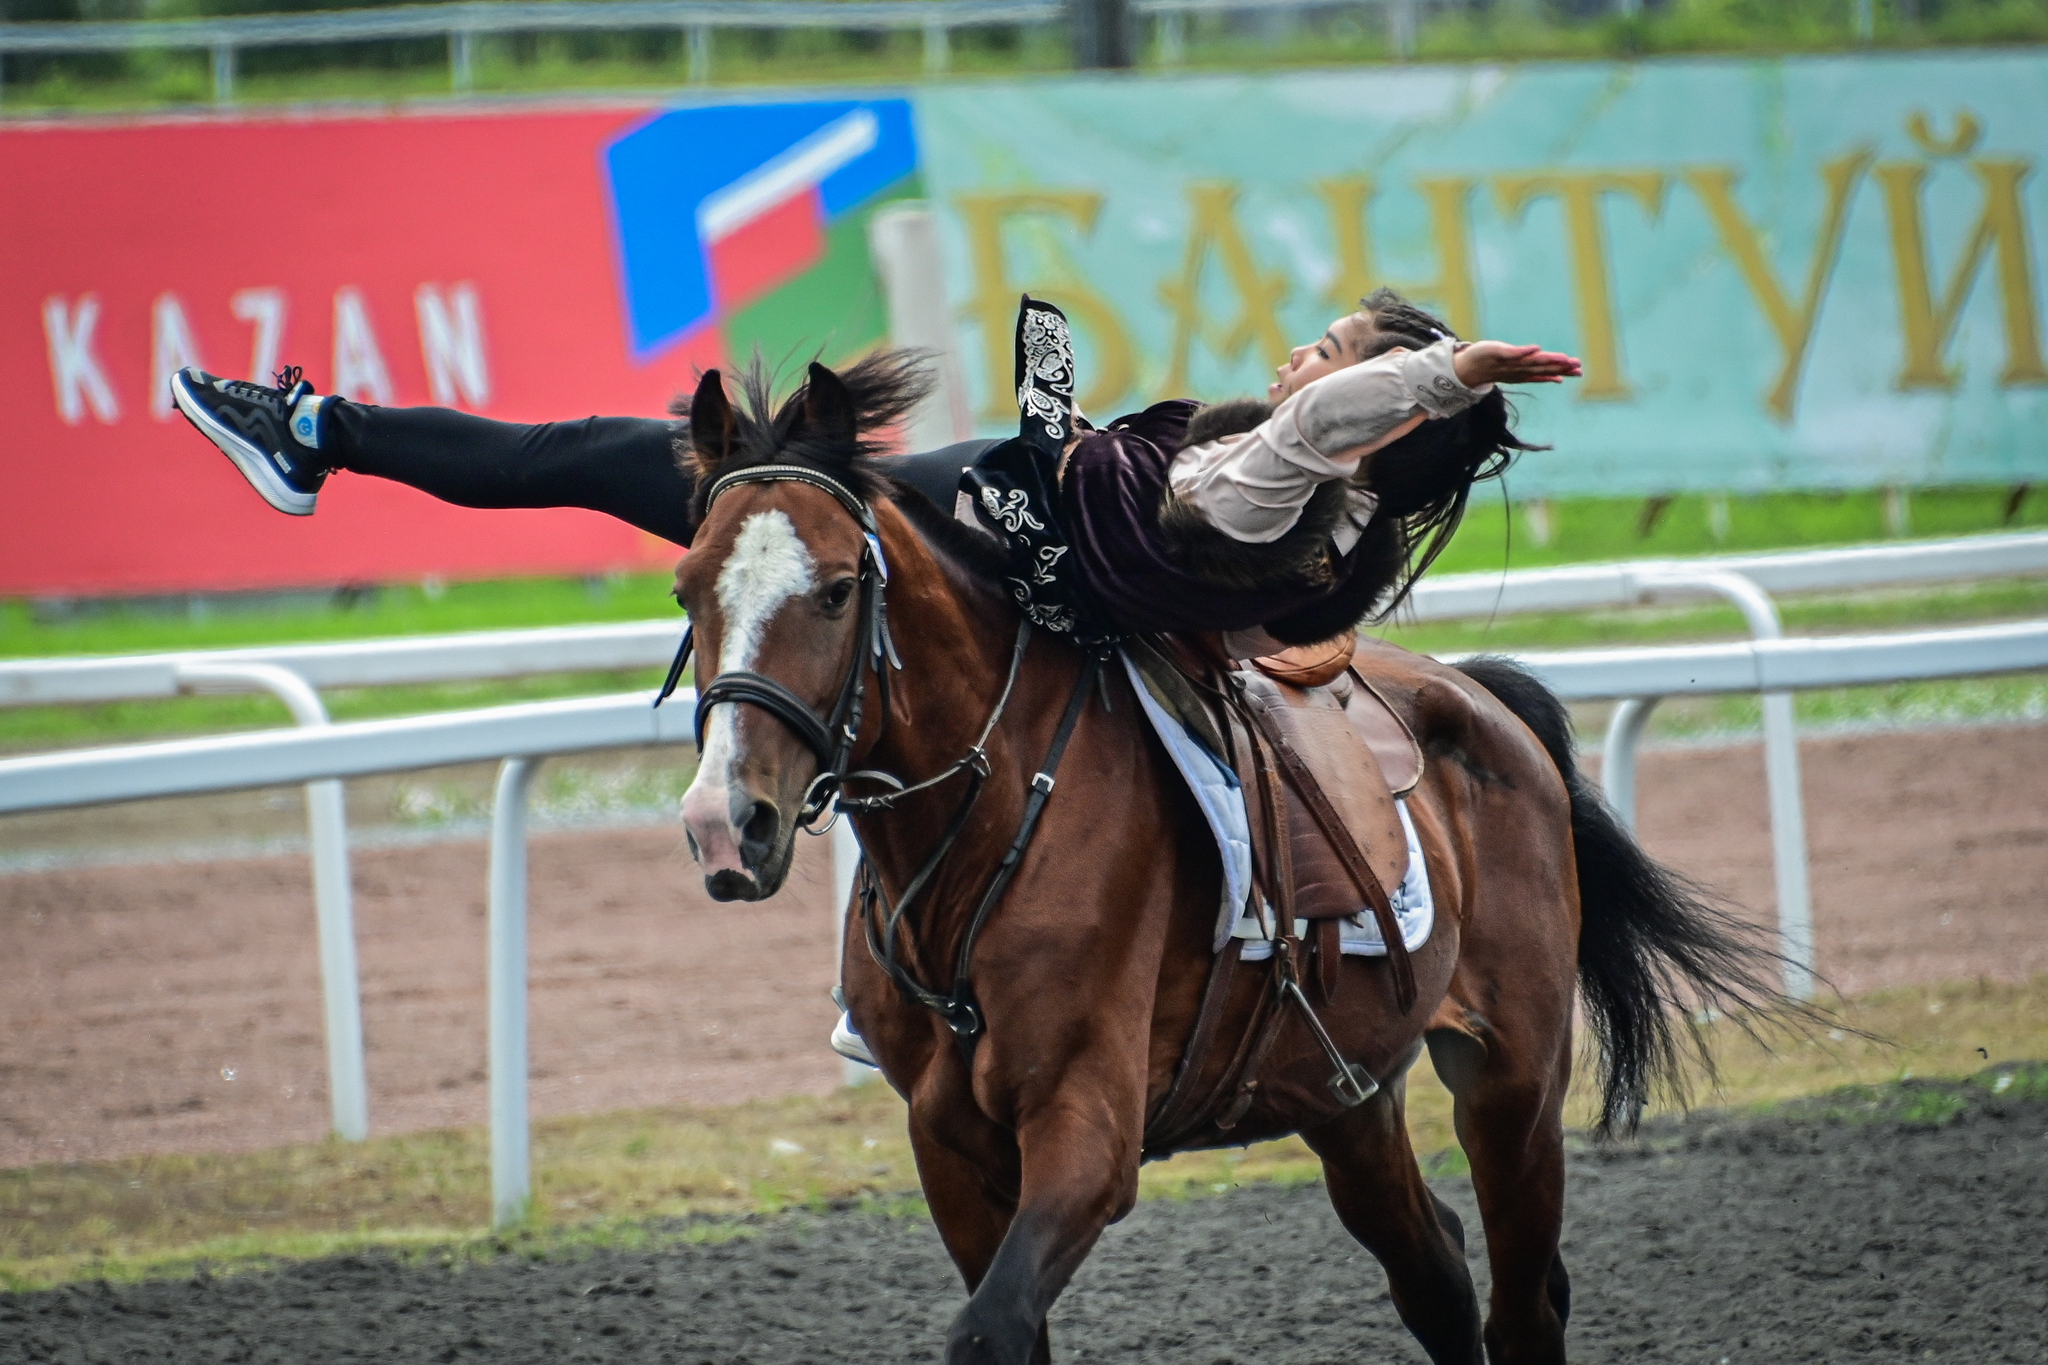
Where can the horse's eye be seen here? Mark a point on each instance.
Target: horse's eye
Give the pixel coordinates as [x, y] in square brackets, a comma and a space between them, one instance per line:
[839, 594]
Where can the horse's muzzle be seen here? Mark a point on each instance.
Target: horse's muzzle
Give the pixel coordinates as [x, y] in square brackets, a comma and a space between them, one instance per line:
[740, 840]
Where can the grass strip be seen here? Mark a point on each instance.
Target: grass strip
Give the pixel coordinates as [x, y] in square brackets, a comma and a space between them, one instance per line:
[643, 1177]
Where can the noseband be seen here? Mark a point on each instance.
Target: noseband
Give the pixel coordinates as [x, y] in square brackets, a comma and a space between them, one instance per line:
[831, 738]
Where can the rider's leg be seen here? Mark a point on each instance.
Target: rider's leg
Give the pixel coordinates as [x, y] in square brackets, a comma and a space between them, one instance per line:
[1383, 1201]
[622, 466]
[286, 440]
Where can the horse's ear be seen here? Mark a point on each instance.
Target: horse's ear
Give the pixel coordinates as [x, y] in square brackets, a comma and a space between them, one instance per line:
[829, 410]
[711, 423]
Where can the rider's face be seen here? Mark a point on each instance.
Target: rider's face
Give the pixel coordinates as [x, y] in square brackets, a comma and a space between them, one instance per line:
[1343, 344]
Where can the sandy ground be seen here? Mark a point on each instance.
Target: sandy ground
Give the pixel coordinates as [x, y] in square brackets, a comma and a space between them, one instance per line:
[176, 1007]
[1781, 1238]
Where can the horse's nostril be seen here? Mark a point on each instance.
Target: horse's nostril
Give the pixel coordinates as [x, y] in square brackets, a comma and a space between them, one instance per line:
[757, 833]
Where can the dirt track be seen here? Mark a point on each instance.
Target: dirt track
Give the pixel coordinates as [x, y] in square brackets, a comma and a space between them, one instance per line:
[176, 1007]
[1743, 1241]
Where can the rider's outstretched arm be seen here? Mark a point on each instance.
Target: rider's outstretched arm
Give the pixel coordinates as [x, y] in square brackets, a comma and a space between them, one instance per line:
[1252, 487]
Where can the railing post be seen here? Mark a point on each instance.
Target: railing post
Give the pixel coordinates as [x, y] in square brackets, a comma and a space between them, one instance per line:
[1618, 756]
[511, 1159]
[1401, 27]
[1102, 33]
[223, 73]
[1781, 773]
[903, 241]
[461, 71]
[938, 47]
[700, 53]
[1788, 844]
[1172, 44]
[327, 826]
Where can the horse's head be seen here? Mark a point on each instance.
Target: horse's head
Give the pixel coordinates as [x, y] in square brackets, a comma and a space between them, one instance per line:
[779, 583]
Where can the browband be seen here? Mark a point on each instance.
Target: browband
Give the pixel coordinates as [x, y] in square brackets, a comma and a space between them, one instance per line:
[793, 473]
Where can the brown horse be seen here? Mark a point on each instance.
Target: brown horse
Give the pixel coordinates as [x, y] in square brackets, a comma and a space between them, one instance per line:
[1030, 1083]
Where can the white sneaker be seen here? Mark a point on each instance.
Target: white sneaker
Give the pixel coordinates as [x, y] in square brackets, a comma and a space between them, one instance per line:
[850, 1044]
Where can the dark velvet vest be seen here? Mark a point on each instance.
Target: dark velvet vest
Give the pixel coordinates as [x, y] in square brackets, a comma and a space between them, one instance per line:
[1111, 497]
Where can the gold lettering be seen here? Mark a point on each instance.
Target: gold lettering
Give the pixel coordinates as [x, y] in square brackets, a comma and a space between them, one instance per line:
[1214, 231]
[1715, 185]
[1929, 326]
[1580, 193]
[1350, 199]
[1111, 362]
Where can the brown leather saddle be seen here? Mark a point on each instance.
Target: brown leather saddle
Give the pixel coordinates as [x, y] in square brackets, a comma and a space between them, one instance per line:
[1321, 756]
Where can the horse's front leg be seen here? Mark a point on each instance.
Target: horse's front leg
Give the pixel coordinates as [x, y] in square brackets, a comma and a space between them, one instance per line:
[1079, 1167]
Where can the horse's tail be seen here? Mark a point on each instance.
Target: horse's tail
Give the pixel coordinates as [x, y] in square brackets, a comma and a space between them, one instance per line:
[1652, 943]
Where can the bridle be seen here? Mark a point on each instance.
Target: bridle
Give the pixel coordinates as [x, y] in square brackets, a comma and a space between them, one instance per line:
[831, 740]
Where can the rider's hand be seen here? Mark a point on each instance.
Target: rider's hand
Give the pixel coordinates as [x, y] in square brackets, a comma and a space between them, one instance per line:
[1496, 362]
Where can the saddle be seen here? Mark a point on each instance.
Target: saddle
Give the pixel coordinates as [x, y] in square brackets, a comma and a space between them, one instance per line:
[1321, 757]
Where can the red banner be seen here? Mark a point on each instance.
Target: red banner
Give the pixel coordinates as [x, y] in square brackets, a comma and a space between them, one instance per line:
[460, 259]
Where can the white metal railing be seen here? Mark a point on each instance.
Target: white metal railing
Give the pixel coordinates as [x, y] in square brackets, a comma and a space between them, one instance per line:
[1585, 587]
[529, 732]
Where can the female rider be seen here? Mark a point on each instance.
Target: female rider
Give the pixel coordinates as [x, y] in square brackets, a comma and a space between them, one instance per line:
[1286, 515]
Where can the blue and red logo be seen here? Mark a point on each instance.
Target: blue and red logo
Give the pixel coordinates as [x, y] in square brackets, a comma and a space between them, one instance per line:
[753, 218]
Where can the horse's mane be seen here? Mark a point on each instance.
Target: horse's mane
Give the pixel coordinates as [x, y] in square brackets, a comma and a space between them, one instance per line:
[885, 386]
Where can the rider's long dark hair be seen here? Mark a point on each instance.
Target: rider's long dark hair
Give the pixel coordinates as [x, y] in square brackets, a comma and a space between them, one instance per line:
[1424, 480]
[1653, 946]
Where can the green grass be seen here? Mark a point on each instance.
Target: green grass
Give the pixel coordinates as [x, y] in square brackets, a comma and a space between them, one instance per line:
[648, 1177]
[651, 59]
[114, 627]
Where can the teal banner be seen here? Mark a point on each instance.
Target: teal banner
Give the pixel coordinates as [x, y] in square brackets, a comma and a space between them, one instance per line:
[1799, 273]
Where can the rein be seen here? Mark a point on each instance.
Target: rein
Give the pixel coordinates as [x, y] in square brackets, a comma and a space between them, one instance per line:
[831, 740]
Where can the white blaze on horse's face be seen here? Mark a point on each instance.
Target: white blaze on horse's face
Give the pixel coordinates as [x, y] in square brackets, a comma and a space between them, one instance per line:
[769, 566]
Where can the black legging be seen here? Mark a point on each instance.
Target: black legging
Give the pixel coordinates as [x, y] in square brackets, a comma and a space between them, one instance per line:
[622, 466]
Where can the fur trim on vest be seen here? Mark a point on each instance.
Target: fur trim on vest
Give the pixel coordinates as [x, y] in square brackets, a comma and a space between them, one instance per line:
[1300, 555]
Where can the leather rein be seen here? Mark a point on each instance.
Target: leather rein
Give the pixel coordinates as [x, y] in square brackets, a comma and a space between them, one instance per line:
[831, 740]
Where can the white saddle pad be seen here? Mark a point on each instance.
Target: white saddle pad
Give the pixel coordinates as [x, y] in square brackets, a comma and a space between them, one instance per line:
[1216, 791]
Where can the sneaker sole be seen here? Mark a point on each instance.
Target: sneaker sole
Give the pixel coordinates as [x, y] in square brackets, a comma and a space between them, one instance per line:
[254, 463]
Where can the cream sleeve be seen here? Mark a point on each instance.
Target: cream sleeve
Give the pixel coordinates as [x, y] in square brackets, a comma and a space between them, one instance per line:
[1253, 486]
